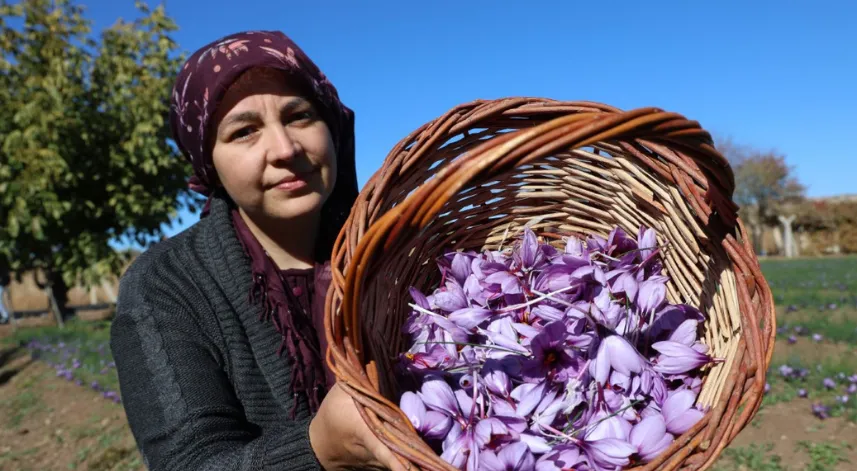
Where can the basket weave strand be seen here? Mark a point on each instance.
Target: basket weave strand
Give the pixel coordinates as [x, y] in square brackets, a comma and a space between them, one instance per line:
[474, 177]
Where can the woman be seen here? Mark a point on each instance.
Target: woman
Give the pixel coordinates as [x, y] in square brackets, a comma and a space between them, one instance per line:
[217, 332]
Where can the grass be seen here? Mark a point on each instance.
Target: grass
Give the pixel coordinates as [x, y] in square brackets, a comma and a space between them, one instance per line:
[823, 456]
[756, 457]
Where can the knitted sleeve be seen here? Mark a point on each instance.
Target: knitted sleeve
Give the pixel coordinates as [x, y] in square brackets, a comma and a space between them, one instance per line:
[180, 404]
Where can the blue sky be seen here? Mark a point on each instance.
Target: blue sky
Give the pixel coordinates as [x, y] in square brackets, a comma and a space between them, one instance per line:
[776, 75]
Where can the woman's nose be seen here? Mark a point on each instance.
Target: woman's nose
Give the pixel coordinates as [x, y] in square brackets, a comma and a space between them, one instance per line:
[282, 145]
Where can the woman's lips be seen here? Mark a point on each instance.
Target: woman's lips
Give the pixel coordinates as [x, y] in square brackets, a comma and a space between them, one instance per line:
[293, 183]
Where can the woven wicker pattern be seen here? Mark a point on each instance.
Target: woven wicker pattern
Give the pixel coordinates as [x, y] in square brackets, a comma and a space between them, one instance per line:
[474, 177]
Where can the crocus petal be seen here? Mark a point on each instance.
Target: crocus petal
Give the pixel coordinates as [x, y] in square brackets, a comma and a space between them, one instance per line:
[437, 395]
[460, 267]
[685, 334]
[677, 358]
[658, 448]
[469, 317]
[419, 298]
[528, 396]
[548, 313]
[647, 434]
[452, 299]
[509, 283]
[610, 452]
[413, 407]
[436, 425]
[528, 249]
[685, 421]
[517, 457]
[651, 295]
[536, 444]
[646, 242]
[677, 403]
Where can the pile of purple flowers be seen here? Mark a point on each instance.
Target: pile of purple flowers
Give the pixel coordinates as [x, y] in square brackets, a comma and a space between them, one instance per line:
[541, 358]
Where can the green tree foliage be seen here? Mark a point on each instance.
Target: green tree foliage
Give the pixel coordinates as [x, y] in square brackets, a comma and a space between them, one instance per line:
[85, 156]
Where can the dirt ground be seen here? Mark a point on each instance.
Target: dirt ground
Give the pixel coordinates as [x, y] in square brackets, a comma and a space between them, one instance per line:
[50, 424]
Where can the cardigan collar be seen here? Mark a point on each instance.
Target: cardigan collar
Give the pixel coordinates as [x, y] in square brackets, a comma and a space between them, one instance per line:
[233, 273]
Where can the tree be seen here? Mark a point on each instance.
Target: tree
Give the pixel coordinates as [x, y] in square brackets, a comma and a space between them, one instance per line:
[763, 182]
[84, 150]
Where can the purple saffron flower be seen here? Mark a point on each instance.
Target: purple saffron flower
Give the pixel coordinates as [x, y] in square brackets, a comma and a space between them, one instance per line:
[609, 453]
[550, 358]
[786, 371]
[820, 410]
[843, 399]
[792, 339]
[651, 438]
[679, 413]
[562, 458]
[817, 337]
[767, 388]
[853, 379]
[852, 389]
[802, 392]
[512, 457]
[676, 358]
[651, 295]
[615, 353]
[829, 383]
[431, 424]
[450, 299]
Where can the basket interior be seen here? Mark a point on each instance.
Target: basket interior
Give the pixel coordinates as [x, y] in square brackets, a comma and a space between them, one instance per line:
[576, 192]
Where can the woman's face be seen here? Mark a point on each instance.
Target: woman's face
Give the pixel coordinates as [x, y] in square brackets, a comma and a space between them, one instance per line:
[273, 153]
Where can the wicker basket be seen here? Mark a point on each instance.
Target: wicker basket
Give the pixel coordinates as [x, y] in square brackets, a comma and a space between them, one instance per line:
[481, 172]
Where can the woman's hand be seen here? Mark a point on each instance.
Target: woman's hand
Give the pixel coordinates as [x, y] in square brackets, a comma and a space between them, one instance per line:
[341, 440]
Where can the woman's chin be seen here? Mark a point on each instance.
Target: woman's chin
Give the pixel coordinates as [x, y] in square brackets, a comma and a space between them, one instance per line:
[296, 207]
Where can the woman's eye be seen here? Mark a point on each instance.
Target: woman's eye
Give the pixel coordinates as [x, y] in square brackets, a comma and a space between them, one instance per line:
[301, 117]
[242, 133]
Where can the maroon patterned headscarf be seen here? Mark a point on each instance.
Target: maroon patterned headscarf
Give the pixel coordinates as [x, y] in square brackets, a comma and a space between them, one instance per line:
[198, 90]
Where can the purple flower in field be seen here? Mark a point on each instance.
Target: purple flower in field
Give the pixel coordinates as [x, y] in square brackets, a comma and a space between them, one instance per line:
[800, 330]
[817, 337]
[767, 388]
[75, 363]
[94, 385]
[820, 410]
[792, 339]
[852, 389]
[829, 383]
[786, 371]
[802, 392]
[843, 399]
[791, 308]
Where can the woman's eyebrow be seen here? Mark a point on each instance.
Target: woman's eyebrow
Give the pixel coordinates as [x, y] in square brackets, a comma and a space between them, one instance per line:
[243, 117]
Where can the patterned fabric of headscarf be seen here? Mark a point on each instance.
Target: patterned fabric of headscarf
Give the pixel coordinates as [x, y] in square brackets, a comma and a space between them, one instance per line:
[198, 90]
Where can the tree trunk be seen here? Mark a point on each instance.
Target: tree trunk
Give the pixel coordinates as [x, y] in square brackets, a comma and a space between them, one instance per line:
[6, 300]
[57, 292]
[788, 236]
[756, 229]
